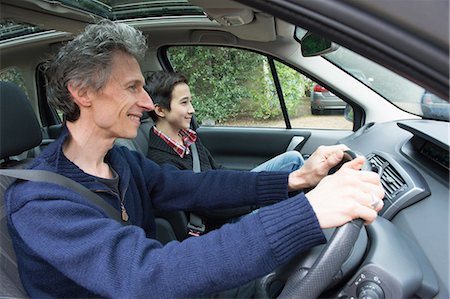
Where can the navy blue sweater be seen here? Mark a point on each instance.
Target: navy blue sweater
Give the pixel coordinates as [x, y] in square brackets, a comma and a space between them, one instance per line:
[67, 247]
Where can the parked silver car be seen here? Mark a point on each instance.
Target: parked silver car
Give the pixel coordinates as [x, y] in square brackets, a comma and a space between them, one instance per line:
[434, 106]
[322, 99]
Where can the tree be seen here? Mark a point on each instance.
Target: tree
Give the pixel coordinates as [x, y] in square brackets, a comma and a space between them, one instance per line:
[227, 83]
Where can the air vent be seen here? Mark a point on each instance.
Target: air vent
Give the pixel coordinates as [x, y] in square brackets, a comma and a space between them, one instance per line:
[392, 182]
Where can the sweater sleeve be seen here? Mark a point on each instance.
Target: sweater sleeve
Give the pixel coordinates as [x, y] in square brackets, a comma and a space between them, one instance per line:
[175, 189]
[96, 253]
[171, 189]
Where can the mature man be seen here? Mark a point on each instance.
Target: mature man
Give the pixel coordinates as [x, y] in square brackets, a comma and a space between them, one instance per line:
[68, 247]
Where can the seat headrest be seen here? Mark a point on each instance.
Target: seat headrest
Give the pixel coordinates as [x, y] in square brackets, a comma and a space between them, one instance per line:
[19, 128]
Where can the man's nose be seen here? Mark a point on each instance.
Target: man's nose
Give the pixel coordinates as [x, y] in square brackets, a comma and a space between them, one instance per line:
[146, 102]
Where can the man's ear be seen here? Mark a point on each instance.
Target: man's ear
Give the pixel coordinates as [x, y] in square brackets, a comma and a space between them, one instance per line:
[80, 96]
[160, 111]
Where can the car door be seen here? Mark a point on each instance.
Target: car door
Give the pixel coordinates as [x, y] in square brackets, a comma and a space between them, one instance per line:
[251, 107]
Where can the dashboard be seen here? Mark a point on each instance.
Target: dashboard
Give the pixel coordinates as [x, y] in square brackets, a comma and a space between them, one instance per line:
[412, 236]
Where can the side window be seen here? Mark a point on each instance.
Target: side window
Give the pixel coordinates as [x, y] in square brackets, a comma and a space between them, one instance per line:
[13, 75]
[230, 87]
[235, 87]
[310, 105]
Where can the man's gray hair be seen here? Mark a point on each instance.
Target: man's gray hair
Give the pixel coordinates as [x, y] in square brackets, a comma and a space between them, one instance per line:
[86, 62]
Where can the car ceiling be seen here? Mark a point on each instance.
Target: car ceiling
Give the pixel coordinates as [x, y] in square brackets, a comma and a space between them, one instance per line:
[258, 30]
[49, 15]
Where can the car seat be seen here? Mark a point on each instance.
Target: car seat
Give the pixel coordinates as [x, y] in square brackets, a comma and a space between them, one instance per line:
[20, 132]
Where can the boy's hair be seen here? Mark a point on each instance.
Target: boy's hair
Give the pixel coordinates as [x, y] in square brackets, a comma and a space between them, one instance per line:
[160, 86]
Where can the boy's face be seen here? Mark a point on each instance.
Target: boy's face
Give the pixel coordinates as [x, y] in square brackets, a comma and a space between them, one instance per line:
[181, 110]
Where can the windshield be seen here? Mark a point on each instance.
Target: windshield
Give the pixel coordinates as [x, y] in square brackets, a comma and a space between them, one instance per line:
[395, 88]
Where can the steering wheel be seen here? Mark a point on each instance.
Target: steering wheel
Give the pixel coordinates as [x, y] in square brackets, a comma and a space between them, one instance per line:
[331, 258]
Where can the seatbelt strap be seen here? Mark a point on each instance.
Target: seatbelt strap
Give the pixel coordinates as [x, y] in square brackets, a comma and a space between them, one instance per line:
[195, 159]
[196, 227]
[36, 175]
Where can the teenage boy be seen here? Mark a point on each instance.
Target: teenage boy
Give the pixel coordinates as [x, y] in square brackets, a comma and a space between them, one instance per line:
[171, 138]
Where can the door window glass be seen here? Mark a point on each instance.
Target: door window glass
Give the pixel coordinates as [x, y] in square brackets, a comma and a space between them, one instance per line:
[309, 104]
[230, 87]
[235, 87]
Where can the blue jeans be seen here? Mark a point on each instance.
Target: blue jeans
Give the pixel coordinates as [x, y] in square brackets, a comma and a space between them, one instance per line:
[288, 161]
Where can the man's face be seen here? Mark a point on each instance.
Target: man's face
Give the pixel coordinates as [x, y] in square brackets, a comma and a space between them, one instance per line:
[118, 107]
[181, 110]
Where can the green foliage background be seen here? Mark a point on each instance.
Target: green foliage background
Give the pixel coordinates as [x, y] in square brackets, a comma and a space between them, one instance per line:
[14, 75]
[229, 83]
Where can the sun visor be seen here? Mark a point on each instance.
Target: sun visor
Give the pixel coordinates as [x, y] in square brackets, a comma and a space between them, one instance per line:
[231, 16]
[240, 20]
[261, 29]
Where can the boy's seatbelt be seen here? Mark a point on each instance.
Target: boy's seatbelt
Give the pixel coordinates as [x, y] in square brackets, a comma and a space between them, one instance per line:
[196, 227]
[195, 158]
[45, 176]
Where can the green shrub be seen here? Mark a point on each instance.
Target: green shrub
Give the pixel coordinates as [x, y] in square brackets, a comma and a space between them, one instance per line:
[227, 83]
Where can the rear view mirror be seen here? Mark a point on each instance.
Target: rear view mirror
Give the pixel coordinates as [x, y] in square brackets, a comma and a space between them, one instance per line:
[315, 45]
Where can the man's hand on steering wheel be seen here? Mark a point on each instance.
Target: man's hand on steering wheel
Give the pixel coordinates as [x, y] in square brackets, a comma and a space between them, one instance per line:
[346, 195]
[316, 167]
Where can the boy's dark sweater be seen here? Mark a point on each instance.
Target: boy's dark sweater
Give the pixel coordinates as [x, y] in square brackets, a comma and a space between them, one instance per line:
[160, 152]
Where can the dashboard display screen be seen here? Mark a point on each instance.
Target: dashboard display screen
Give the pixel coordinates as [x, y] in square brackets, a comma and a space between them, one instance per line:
[437, 154]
